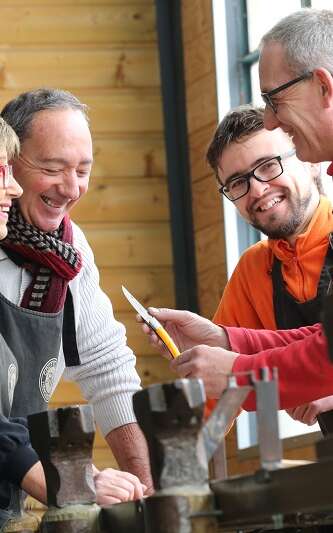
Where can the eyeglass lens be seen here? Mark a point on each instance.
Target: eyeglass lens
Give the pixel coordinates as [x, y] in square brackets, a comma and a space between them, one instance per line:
[267, 171]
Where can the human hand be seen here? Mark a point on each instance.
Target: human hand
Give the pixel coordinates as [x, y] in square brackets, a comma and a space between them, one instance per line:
[186, 329]
[307, 413]
[212, 365]
[115, 486]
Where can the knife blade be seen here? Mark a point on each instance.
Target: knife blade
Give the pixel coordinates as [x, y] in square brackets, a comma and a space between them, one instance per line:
[153, 323]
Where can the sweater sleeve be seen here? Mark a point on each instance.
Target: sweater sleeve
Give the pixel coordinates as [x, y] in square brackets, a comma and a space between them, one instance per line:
[16, 454]
[305, 372]
[107, 374]
[251, 341]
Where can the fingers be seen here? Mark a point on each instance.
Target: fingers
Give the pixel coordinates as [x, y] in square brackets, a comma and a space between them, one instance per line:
[153, 338]
[304, 413]
[163, 314]
[114, 486]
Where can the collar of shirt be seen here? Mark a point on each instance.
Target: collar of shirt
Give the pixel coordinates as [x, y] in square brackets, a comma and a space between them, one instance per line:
[3, 255]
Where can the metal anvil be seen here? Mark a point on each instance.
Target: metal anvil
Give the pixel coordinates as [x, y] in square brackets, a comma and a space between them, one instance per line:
[180, 443]
[63, 439]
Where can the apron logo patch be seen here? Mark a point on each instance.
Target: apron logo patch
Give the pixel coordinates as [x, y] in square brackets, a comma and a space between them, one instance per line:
[12, 379]
[46, 378]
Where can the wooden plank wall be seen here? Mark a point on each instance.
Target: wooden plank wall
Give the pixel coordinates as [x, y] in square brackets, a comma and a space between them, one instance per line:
[202, 119]
[105, 51]
[202, 116]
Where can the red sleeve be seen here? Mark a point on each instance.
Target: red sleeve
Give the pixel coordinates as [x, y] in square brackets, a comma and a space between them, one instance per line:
[305, 372]
[251, 341]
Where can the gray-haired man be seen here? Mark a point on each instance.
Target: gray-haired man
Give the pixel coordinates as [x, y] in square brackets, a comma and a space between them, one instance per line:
[55, 317]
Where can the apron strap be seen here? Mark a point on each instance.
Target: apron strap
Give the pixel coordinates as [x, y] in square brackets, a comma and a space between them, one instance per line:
[71, 352]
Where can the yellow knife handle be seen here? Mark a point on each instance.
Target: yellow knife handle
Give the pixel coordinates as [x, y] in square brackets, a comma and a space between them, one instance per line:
[167, 340]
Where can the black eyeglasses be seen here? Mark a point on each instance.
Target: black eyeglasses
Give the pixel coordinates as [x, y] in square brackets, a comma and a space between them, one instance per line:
[267, 97]
[270, 169]
[6, 175]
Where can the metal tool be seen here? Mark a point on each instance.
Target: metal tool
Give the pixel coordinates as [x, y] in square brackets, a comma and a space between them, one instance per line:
[226, 409]
[153, 323]
[63, 439]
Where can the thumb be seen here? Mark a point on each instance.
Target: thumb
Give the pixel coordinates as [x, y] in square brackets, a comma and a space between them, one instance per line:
[165, 314]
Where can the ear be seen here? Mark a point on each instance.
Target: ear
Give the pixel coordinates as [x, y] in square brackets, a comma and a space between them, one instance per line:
[325, 81]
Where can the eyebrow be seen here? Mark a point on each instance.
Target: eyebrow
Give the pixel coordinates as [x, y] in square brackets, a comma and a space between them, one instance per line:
[254, 165]
[60, 161]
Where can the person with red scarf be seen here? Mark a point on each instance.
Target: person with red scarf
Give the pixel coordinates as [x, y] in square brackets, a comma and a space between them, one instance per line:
[56, 320]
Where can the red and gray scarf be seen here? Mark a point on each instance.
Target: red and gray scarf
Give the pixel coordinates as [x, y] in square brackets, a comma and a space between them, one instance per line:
[50, 257]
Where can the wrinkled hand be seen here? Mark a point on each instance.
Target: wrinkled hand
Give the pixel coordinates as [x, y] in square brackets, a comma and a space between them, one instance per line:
[115, 486]
[307, 413]
[186, 329]
[212, 365]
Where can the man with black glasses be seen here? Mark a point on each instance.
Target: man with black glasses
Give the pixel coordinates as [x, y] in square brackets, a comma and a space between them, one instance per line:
[278, 283]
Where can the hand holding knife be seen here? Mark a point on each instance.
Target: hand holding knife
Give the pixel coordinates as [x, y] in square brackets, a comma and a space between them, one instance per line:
[153, 323]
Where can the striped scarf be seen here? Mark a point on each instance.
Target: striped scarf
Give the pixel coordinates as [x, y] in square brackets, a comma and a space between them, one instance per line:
[50, 257]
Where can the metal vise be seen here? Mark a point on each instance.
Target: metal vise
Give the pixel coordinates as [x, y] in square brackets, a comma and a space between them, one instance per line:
[171, 416]
[63, 439]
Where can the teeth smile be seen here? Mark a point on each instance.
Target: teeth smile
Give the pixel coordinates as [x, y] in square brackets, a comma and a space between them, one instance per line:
[268, 205]
[49, 202]
[4, 209]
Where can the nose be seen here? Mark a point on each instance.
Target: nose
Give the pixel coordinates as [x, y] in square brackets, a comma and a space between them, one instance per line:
[69, 187]
[271, 121]
[14, 190]
[257, 188]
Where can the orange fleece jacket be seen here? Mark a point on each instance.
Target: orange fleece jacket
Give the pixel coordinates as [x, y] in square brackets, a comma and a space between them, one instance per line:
[247, 300]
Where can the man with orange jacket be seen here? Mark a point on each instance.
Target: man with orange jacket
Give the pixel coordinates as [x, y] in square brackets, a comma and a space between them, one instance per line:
[278, 283]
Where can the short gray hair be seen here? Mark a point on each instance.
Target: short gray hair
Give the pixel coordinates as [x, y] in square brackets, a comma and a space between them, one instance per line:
[307, 39]
[20, 111]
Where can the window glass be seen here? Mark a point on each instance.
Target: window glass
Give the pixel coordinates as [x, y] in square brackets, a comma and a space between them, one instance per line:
[322, 4]
[261, 16]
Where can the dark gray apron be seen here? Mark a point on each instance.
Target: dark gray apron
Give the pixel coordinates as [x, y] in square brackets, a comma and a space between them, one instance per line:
[289, 313]
[29, 350]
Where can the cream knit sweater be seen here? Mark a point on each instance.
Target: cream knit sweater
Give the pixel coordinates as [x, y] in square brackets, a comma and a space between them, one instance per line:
[107, 375]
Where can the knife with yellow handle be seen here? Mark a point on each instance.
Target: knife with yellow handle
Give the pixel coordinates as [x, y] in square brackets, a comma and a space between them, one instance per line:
[153, 323]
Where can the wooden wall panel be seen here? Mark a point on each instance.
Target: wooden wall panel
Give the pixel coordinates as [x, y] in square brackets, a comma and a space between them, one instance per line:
[80, 67]
[202, 118]
[117, 111]
[211, 283]
[124, 200]
[197, 21]
[93, 23]
[153, 286]
[207, 203]
[119, 245]
[105, 52]
[129, 155]
[198, 144]
[201, 103]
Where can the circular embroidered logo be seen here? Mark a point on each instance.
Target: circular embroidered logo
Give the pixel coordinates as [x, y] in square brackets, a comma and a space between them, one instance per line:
[46, 378]
[12, 379]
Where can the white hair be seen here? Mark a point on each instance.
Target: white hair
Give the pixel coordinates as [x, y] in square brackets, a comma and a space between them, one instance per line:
[307, 39]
